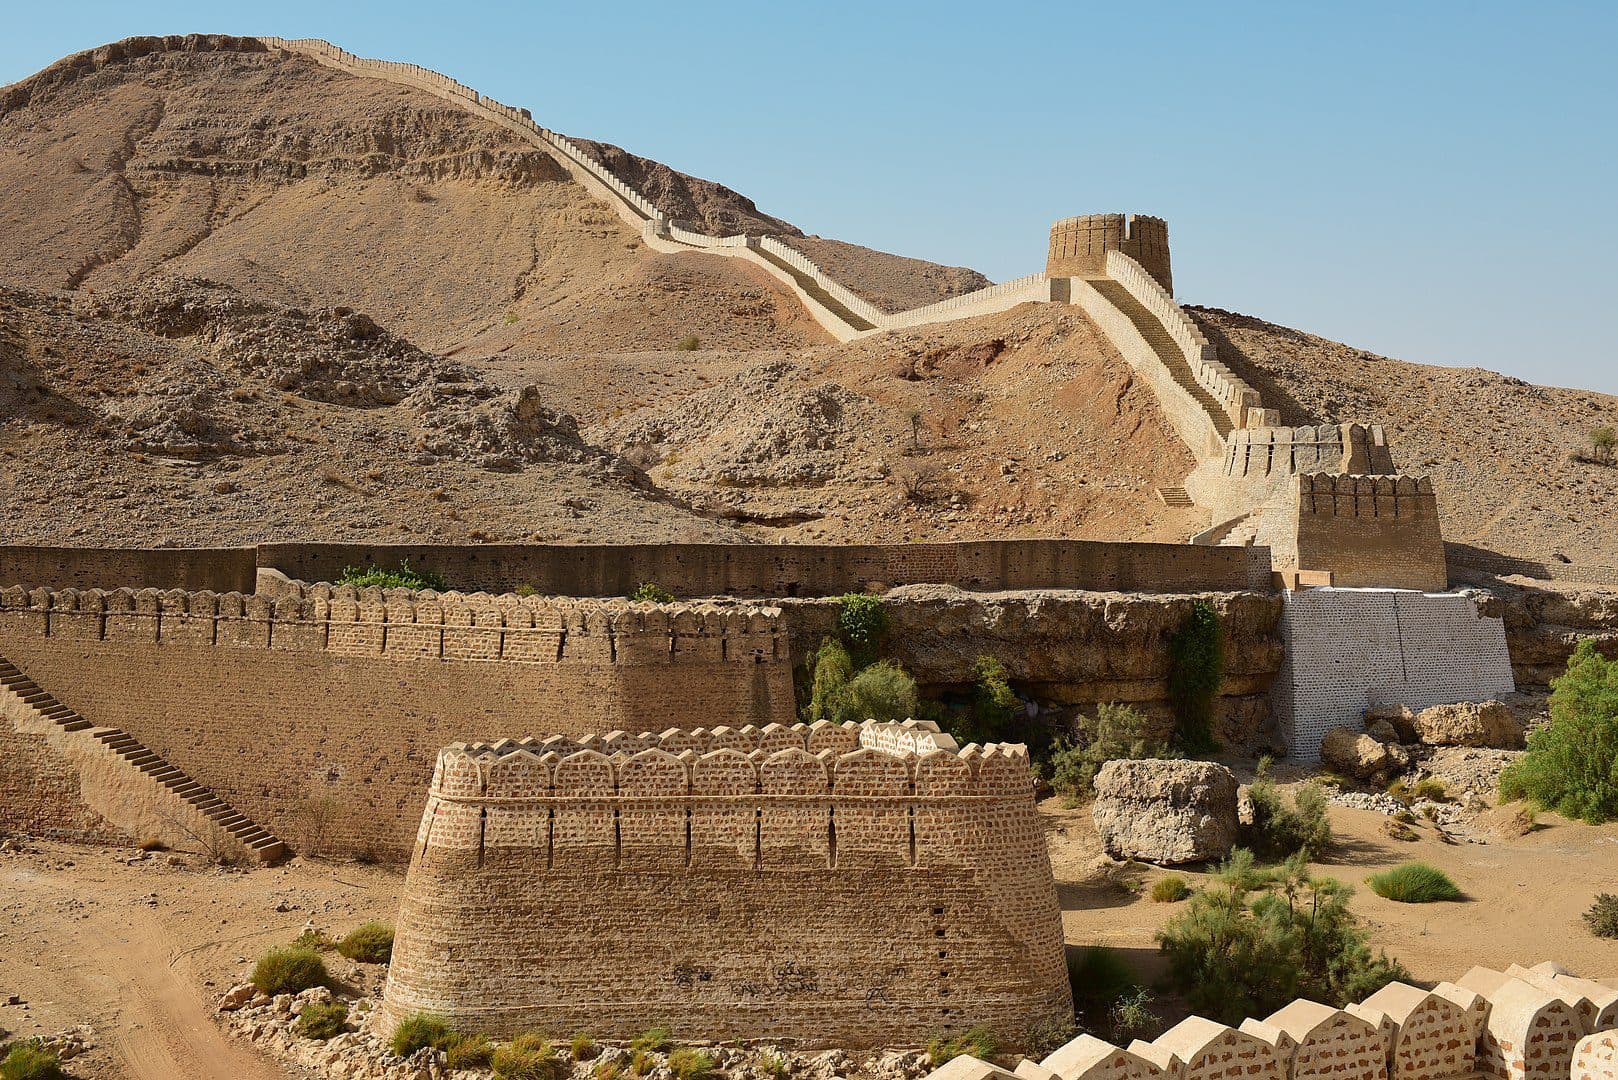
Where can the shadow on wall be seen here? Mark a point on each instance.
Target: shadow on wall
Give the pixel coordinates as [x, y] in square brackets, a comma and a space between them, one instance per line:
[1275, 395]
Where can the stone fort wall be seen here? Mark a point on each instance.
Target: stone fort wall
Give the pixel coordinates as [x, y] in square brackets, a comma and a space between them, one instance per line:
[322, 714]
[836, 886]
[1079, 245]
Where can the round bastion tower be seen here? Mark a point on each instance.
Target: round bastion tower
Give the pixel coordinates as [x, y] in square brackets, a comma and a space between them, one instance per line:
[1079, 245]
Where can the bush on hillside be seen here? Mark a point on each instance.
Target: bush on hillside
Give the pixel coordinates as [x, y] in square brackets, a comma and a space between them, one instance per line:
[1280, 831]
[1602, 918]
[688, 1064]
[978, 1042]
[1569, 764]
[321, 1019]
[289, 971]
[583, 1047]
[650, 592]
[369, 943]
[1196, 668]
[995, 708]
[1116, 732]
[419, 1030]
[1170, 890]
[654, 1040]
[862, 623]
[29, 1060]
[529, 1056]
[467, 1052]
[1414, 883]
[1255, 939]
[402, 578]
[688, 343]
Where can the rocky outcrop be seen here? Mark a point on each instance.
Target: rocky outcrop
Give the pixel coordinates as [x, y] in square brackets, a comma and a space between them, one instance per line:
[1545, 622]
[1166, 812]
[1490, 724]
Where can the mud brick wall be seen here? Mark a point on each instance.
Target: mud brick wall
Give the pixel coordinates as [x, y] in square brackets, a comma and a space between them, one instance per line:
[320, 718]
[848, 897]
[1370, 530]
[221, 569]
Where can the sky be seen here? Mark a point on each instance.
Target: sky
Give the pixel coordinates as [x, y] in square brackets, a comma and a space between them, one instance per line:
[1432, 181]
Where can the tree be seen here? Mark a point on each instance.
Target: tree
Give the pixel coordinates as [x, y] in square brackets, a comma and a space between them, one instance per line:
[1572, 763]
[1255, 940]
[862, 622]
[1196, 668]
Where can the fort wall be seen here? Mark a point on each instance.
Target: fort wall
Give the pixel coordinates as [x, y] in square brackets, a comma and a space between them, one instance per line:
[834, 887]
[1380, 531]
[219, 569]
[332, 706]
[1079, 245]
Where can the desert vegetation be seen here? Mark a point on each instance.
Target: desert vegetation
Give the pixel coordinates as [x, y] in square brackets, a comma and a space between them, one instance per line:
[1196, 667]
[1602, 918]
[1414, 883]
[28, 1060]
[369, 943]
[650, 592]
[1115, 732]
[978, 1042]
[1568, 766]
[321, 1019]
[289, 971]
[403, 576]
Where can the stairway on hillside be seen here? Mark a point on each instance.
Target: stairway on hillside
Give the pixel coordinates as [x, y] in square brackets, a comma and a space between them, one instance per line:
[1175, 495]
[259, 843]
[1242, 534]
[1162, 342]
[814, 289]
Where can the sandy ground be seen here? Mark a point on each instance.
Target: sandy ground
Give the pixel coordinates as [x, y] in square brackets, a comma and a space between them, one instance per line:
[139, 950]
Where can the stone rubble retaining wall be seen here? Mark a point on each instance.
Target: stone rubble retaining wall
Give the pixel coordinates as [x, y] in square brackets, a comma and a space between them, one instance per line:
[851, 886]
[1348, 649]
[1525, 1024]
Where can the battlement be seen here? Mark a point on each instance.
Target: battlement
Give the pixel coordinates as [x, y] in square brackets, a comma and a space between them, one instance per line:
[1375, 497]
[1079, 245]
[402, 624]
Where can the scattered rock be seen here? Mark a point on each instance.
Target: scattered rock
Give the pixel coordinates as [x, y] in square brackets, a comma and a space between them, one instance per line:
[1353, 753]
[1166, 812]
[237, 997]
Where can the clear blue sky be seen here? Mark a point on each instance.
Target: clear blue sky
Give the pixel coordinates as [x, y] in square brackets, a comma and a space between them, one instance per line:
[1433, 181]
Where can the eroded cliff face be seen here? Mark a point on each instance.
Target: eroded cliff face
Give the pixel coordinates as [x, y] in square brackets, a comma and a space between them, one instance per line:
[1067, 650]
[1545, 621]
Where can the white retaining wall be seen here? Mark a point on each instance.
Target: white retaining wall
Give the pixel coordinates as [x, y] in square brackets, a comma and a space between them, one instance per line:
[1347, 649]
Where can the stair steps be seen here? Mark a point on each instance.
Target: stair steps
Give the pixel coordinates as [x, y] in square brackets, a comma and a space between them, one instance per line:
[260, 843]
[1163, 344]
[1174, 495]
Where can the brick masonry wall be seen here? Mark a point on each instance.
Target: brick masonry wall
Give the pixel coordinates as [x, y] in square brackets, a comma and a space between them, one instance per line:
[1347, 649]
[221, 569]
[1377, 531]
[851, 897]
[334, 709]
[1079, 245]
[41, 791]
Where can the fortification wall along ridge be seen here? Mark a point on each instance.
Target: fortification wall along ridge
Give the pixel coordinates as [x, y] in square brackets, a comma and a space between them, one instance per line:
[333, 708]
[846, 886]
[1079, 245]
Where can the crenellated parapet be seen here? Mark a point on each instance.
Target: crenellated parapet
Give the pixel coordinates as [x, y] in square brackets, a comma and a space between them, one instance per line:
[831, 884]
[1079, 245]
[404, 624]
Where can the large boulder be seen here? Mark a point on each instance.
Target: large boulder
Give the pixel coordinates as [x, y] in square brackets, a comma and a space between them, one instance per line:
[1489, 724]
[1353, 753]
[1395, 716]
[1166, 812]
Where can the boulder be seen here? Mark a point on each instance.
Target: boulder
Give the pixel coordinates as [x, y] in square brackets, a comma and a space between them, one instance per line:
[237, 997]
[1353, 753]
[1166, 812]
[1383, 732]
[1398, 717]
[1488, 724]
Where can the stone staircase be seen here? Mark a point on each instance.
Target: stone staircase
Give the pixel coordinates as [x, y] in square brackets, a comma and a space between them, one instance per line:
[1175, 495]
[814, 289]
[131, 753]
[1242, 534]
[1157, 336]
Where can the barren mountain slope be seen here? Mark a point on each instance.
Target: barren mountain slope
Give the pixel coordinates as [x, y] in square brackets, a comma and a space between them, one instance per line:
[1497, 448]
[212, 157]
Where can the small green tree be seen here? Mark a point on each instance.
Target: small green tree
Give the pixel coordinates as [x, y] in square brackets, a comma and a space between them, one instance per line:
[883, 691]
[650, 592]
[1254, 940]
[995, 707]
[1603, 443]
[1196, 668]
[862, 622]
[1116, 732]
[831, 671]
[404, 577]
[1572, 763]
[1280, 831]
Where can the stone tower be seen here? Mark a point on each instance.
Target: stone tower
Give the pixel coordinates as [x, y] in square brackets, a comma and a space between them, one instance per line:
[1079, 245]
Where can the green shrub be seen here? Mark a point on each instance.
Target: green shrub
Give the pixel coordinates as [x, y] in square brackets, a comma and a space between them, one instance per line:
[650, 592]
[1196, 668]
[1414, 883]
[641, 1062]
[654, 1040]
[862, 622]
[995, 708]
[978, 1042]
[369, 943]
[1170, 890]
[1115, 732]
[832, 669]
[314, 939]
[688, 1064]
[1280, 831]
[1045, 1037]
[1432, 789]
[29, 1060]
[689, 343]
[607, 1069]
[1255, 939]
[421, 1029]
[321, 1019]
[1569, 763]
[289, 971]
[525, 590]
[883, 691]
[1402, 791]
[1602, 918]
[1132, 1017]
[775, 1066]
[1098, 979]
[403, 578]
[529, 1056]
[466, 1052]
[583, 1047]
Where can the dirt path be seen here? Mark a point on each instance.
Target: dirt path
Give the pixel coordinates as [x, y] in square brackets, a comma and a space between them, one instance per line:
[138, 953]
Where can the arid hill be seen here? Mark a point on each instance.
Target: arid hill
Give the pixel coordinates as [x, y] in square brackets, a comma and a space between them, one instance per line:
[244, 296]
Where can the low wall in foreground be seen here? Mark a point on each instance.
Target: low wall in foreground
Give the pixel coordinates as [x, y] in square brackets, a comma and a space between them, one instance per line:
[880, 891]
